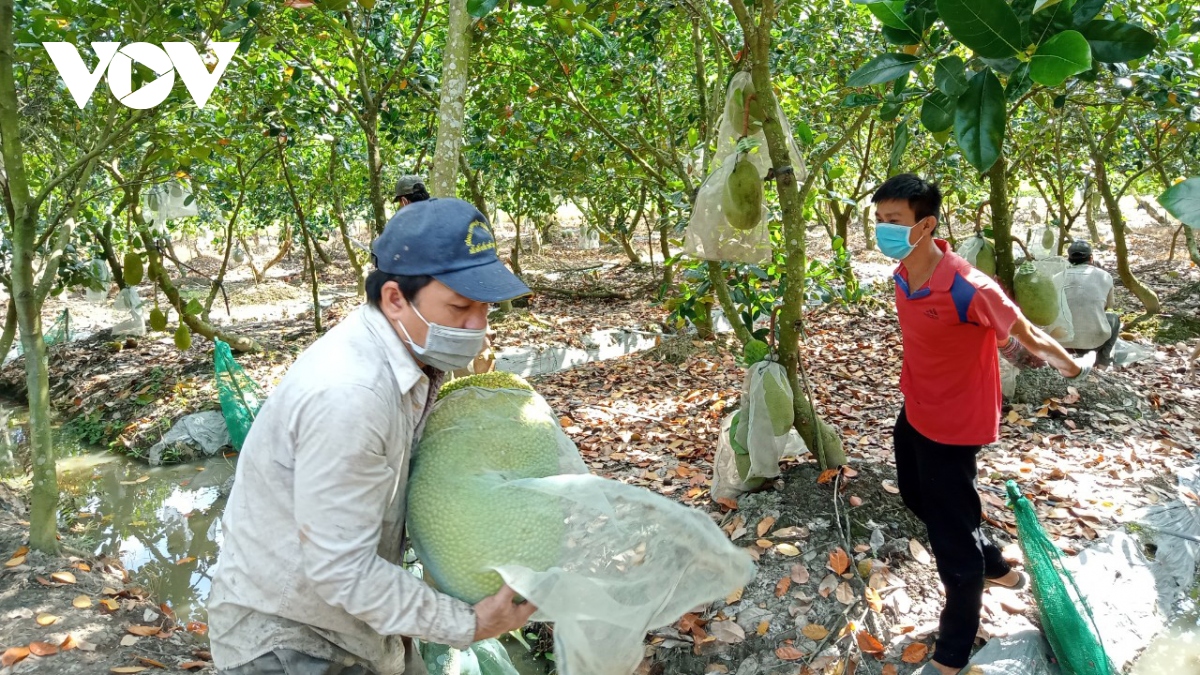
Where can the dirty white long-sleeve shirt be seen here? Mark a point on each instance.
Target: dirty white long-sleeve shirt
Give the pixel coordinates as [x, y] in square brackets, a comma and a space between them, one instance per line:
[313, 526]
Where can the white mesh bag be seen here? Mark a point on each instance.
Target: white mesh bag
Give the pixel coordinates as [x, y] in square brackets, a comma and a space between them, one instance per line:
[497, 488]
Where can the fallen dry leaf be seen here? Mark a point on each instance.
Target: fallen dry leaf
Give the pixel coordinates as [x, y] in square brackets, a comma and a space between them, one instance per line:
[107, 590]
[63, 577]
[788, 549]
[193, 665]
[764, 543]
[828, 584]
[847, 472]
[918, 552]
[144, 631]
[915, 653]
[727, 631]
[24, 550]
[128, 670]
[855, 500]
[726, 502]
[46, 619]
[873, 600]
[763, 627]
[764, 525]
[129, 640]
[800, 573]
[789, 653]
[782, 587]
[734, 596]
[15, 560]
[890, 487]
[890, 669]
[82, 602]
[13, 655]
[42, 649]
[868, 644]
[844, 593]
[903, 628]
[68, 643]
[826, 476]
[151, 662]
[110, 604]
[815, 632]
[82, 566]
[839, 562]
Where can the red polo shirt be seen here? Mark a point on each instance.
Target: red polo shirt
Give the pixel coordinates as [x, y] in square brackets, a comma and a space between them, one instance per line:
[951, 373]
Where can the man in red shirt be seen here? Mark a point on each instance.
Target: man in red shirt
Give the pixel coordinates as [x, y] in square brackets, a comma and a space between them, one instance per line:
[952, 319]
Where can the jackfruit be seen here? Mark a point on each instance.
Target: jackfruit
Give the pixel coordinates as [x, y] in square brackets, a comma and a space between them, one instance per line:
[743, 468]
[735, 108]
[755, 351]
[158, 320]
[1036, 295]
[183, 337]
[742, 197]
[1048, 238]
[778, 395]
[734, 442]
[985, 259]
[132, 270]
[464, 514]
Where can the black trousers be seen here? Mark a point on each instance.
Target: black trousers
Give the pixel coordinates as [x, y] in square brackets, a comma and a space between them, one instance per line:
[937, 483]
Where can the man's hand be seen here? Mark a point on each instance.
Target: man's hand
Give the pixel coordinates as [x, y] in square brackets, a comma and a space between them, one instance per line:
[1084, 365]
[497, 615]
[1042, 346]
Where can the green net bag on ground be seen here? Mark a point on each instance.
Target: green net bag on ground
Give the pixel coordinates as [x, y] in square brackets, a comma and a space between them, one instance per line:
[1066, 618]
[240, 396]
[58, 333]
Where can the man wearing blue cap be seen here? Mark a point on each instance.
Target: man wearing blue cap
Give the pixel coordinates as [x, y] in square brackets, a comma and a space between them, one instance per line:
[309, 580]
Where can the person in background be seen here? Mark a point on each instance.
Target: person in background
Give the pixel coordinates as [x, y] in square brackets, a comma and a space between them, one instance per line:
[952, 320]
[1089, 293]
[410, 190]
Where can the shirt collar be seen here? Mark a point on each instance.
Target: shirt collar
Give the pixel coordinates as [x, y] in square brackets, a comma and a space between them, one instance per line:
[404, 367]
[943, 274]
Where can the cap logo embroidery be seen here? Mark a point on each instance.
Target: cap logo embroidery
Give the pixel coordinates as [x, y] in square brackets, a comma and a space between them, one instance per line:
[474, 247]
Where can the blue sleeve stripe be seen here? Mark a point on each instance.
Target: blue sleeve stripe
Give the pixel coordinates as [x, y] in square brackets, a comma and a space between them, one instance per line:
[962, 292]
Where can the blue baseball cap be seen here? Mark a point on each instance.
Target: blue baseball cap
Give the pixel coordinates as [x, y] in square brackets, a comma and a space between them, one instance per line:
[451, 241]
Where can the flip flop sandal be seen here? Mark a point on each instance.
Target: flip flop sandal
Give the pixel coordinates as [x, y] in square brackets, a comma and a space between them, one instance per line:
[1022, 582]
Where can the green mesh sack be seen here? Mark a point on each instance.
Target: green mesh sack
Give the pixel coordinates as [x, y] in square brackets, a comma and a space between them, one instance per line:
[58, 333]
[1066, 618]
[240, 396]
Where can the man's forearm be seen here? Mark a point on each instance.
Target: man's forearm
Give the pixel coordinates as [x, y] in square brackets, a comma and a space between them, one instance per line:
[1047, 349]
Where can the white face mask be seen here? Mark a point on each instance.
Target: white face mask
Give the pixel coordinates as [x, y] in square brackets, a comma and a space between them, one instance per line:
[446, 349]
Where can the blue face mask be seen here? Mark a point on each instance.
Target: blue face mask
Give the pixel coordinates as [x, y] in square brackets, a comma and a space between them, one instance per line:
[893, 240]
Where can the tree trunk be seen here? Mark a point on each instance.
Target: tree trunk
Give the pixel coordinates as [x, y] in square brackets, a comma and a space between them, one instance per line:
[339, 213]
[304, 237]
[456, 61]
[326, 260]
[216, 284]
[250, 259]
[668, 273]
[285, 247]
[1002, 222]
[104, 236]
[1093, 205]
[1189, 235]
[704, 322]
[375, 178]
[716, 275]
[868, 232]
[821, 438]
[478, 198]
[627, 247]
[1116, 220]
[10, 328]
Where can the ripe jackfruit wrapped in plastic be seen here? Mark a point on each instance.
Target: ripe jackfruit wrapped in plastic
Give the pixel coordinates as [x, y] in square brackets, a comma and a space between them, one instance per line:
[498, 493]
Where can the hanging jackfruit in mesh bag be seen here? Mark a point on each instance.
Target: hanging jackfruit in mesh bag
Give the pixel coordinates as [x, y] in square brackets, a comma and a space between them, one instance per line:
[980, 252]
[729, 218]
[1039, 287]
[499, 494]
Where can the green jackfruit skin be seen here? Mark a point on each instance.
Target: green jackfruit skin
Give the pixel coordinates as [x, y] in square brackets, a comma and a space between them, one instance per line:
[742, 197]
[755, 351]
[183, 337]
[132, 269]
[1036, 295]
[985, 260]
[743, 468]
[158, 320]
[1048, 239]
[779, 405]
[734, 442]
[461, 516]
[497, 379]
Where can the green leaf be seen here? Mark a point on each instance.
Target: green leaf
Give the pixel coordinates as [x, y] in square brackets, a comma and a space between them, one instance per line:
[988, 27]
[693, 137]
[1019, 83]
[890, 13]
[1059, 58]
[1117, 41]
[193, 307]
[254, 9]
[950, 76]
[804, 131]
[233, 27]
[937, 112]
[899, 145]
[247, 40]
[884, 68]
[898, 36]
[979, 118]
[1183, 201]
[481, 8]
[1085, 10]
[860, 100]
[367, 4]
[1043, 4]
